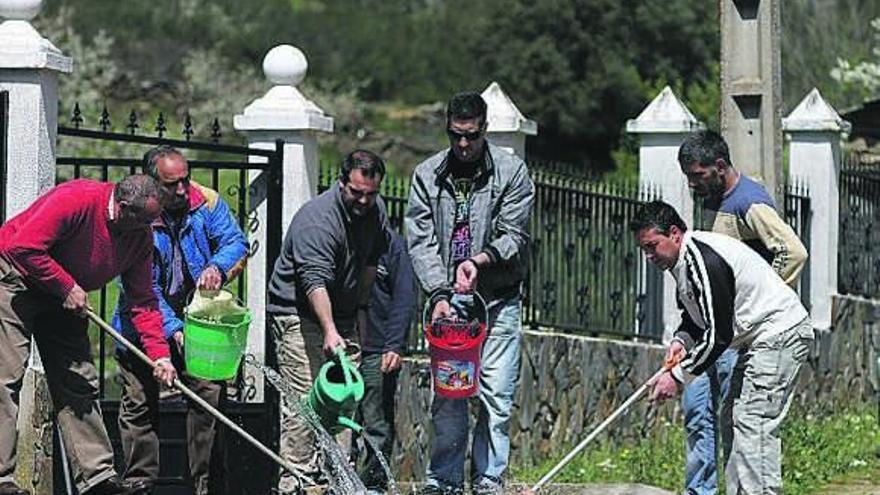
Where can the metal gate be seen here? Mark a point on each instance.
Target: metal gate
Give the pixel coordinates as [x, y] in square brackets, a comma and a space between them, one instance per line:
[226, 169]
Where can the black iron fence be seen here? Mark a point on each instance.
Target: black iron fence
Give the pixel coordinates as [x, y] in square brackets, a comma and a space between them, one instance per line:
[858, 258]
[587, 274]
[221, 167]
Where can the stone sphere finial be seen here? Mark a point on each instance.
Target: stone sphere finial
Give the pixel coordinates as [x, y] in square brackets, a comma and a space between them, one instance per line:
[284, 65]
[20, 10]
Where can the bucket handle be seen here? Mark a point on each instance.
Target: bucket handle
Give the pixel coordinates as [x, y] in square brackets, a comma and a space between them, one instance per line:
[346, 372]
[428, 308]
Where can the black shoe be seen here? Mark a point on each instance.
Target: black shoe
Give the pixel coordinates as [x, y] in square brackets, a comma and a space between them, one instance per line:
[431, 489]
[112, 486]
[10, 488]
[139, 487]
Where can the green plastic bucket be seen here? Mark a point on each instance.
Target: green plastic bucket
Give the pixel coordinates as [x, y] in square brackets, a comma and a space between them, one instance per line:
[213, 346]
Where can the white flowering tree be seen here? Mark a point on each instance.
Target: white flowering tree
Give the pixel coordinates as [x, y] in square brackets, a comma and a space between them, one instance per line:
[861, 78]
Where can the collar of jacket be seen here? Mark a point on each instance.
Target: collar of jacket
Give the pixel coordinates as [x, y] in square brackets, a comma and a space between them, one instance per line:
[196, 200]
[486, 165]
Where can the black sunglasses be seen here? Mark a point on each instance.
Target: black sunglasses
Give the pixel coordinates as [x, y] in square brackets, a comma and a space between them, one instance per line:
[470, 136]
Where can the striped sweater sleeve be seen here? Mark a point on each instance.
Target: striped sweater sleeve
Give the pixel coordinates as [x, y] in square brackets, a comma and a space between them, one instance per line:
[789, 253]
[712, 282]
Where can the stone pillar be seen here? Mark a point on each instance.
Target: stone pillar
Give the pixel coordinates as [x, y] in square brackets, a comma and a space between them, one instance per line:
[508, 127]
[814, 159]
[29, 68]
[751, 88]
[283, 113]
[661, 127]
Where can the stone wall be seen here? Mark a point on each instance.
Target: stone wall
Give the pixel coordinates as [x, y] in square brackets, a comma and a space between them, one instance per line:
[569, 384]
[843, 365]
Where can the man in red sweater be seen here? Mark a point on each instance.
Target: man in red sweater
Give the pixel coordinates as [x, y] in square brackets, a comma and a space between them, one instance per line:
[74, 239]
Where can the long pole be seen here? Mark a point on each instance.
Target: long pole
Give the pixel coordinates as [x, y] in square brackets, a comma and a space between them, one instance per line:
[617, 412]
[195, 398]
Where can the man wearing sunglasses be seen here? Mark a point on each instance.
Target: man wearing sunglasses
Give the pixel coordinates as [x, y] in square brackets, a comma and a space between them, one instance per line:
[197, 244]
[466, 227]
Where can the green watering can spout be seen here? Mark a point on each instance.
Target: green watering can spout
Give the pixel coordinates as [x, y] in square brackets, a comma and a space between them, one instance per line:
[336, 392]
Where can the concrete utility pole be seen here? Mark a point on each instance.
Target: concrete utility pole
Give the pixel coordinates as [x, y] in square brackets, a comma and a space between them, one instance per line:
[751, 90]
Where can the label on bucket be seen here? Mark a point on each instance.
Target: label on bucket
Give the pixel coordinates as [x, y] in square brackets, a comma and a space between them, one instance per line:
[454, 375]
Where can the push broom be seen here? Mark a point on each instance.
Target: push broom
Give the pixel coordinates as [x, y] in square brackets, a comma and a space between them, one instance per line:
[669, 364]
[195, 398]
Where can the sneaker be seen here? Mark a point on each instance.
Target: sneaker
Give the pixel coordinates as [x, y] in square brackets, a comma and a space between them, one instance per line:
[434, 489]
[487, 487]
[112, 486]
[10, 488]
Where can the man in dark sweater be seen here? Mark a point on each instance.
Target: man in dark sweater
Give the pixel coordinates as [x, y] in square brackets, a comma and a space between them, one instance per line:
[74, 239]
[390, 315]
[320, 284]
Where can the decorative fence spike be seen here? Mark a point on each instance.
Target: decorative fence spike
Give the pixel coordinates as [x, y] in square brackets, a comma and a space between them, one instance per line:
[188, 127]
[132, 122]
[215, 130]
[160, 125]
[105, 119]
[77, 116]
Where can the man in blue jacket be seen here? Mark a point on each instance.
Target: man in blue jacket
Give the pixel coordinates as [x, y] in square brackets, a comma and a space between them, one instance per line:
[198, 244]
[389, 316]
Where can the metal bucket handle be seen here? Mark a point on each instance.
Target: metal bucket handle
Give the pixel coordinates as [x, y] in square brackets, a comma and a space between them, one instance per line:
[427, 309]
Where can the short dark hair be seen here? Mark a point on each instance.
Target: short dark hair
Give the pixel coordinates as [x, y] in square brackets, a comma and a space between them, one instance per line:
[136, 190]
[151, 158]
[367, 162]
[657, 215]
[464, 106]
[704, 147]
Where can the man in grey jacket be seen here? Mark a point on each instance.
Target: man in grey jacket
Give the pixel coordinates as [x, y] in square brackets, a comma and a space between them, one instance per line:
[320, 284]
[466, 227]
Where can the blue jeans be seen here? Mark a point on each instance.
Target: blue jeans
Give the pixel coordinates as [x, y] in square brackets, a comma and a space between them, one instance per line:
[499, 374]
[701, 403]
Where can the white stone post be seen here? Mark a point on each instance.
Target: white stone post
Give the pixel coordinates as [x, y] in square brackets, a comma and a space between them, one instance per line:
[29, 68]
[814, 159]
[508, 127]
[283, 113]
[661, 127]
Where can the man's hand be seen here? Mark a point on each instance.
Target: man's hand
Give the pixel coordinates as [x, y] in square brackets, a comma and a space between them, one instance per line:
[164, 372]
[665, 387]
[674, 354]
[466, 276]
[211, 279]
[77, 301]
[441, 310]
[390, 362]
[332, 340]
[178, 340]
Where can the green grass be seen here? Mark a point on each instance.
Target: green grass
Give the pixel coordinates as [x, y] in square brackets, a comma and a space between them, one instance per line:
[817, 450]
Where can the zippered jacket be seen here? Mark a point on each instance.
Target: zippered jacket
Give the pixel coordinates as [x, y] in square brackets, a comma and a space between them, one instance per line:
[728, 295]
[501, 202]
[209, 236]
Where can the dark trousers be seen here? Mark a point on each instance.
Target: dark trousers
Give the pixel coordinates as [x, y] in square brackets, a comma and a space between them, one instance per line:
[63, 341]
[377, 417]
[139, 423]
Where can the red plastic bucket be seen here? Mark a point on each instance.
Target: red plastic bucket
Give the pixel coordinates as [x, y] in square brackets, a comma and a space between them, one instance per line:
[455, 346]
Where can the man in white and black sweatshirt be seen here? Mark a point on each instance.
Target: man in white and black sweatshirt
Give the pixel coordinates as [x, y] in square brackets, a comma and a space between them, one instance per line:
[731, 297]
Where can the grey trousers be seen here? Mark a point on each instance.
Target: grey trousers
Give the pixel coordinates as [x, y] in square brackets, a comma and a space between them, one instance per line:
[63, 341]
[139, 423]
[760, 395]
[299, 345]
